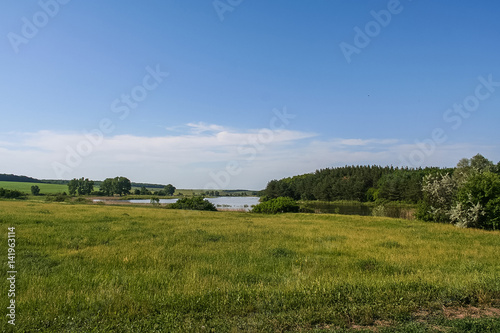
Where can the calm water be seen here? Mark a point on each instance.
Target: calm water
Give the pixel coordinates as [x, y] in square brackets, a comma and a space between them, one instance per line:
[246, 203]
[357, 209]
[229, 203]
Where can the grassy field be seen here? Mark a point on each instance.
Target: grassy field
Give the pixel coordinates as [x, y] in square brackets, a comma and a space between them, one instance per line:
[95, 268]
[26, 187]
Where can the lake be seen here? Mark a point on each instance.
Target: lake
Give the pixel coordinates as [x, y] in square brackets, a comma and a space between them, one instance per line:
[246, 203]
[362, 209]
[221, 203]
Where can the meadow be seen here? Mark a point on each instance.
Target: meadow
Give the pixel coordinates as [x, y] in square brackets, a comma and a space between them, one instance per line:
[26, 187]
[97, 268]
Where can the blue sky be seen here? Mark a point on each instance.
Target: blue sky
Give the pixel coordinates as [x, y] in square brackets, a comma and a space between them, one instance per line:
[255, 90]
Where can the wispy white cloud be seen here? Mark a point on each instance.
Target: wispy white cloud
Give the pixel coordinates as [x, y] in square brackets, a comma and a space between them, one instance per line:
[195, 159]
[201, 127]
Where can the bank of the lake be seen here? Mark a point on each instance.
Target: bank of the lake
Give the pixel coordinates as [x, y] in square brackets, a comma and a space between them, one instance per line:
[242, 203]
[387, 209]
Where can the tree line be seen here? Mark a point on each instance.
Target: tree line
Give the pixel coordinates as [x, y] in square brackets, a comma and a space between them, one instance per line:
[467, 195]
[353, 183]
[112, 186]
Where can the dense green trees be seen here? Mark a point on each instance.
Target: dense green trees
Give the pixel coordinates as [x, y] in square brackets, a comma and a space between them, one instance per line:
[468, 197]
[117, 185]
[478, 202]
[82, 186]
[11, 194]
[169, 189]
[358, 183]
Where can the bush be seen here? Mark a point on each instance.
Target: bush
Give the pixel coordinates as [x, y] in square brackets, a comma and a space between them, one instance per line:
[278, 205]
[35, 190]
[439, 195]
[196, 203]
[478, 202]
[59, 197]
[81, 200]
[379, 211]
[424, 211]
[11, 194]
[155, 201]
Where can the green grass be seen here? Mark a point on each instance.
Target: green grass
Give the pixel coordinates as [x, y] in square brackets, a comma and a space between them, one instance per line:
[95, 268]
[26, 187]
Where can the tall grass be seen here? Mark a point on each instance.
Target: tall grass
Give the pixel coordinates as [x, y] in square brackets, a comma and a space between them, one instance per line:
[114, 268]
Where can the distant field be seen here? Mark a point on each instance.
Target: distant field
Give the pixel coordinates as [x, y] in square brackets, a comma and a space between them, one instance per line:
[95, 268]
[26, 187]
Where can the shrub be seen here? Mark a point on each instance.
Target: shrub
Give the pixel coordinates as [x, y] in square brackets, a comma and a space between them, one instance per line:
[11, 194]
[278, 205]
[195, 203]
[379, 211]
[59, 197]
[439, 193]
[35, 190]
[155, 201]
[478, 202]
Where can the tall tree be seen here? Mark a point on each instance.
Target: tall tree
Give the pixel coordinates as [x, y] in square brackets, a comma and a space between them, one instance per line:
[107, 186]
[122, 185]
[82, 186]
[169, 189]
[35, 190]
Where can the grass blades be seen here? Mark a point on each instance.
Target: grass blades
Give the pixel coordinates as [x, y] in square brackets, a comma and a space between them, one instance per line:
[100, 268]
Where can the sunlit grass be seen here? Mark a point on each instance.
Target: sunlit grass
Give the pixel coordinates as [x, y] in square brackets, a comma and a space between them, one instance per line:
[85, 267]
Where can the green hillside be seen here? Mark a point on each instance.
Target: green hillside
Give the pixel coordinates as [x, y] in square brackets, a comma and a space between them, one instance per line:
[26, 187]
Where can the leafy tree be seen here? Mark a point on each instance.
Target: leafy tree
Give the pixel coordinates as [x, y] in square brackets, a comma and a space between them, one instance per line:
[121, 185]
[480, 163]
[35, 190]
[439, 194]
[169, 189]
[144, 191]
[117, 185]
[73, 186]
[107, 186]
[478, 202]
[82, 186]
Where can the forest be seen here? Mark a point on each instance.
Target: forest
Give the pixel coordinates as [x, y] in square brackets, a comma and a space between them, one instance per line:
[467, 195]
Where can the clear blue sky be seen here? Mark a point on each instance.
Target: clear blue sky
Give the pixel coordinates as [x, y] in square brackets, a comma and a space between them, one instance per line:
[212, 121]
